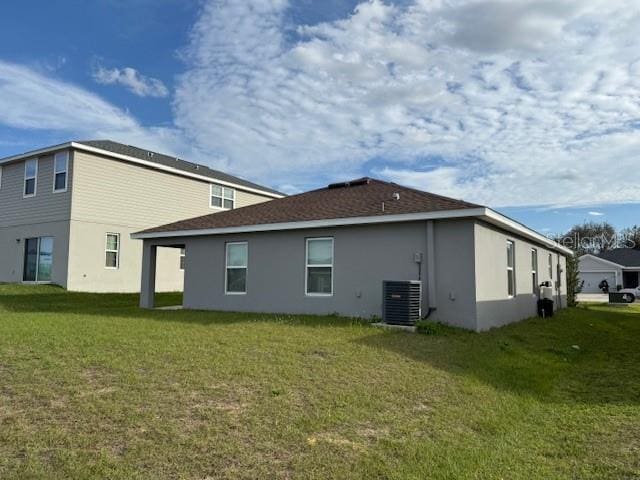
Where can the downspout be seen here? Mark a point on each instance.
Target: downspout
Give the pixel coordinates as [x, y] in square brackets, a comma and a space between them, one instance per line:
[430, 270]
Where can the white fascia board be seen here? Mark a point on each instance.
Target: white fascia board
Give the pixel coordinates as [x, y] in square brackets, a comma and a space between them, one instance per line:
[482, 213]
[602, 260]
[508, 224]
[34, 153]
[127, 158]
[333, 222]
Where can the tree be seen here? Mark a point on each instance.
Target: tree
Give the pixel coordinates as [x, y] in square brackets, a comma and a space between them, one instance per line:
[631, 237]
[573, 280]
[590, 237]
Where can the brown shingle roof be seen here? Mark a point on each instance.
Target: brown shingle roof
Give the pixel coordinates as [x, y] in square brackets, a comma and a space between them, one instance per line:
[358, 198]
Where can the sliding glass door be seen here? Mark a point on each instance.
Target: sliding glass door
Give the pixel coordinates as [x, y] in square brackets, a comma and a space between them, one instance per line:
[38, 259]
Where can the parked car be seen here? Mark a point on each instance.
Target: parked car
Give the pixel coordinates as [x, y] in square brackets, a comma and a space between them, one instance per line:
[634, 291]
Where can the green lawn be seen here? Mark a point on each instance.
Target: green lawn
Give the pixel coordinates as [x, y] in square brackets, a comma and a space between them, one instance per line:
[92, 387]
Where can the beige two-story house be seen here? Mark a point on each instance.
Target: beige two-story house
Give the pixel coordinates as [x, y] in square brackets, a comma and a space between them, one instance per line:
[67, 213]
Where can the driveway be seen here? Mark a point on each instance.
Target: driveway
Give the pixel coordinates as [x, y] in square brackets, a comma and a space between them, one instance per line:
[593, 298]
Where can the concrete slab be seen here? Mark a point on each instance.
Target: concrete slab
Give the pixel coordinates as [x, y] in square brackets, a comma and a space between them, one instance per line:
[402, 328]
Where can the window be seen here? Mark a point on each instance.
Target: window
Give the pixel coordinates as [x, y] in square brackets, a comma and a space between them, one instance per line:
[319, 266]
[511, 272]
[182, 257]
[112, 251]
[550, 266]
[60, 167]
[236, 268]
[30, 177]
[38, 259]
[534, 271]
[222, 197]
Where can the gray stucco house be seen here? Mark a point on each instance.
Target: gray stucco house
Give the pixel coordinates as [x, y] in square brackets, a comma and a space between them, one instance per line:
[329, 251]
[619, 267]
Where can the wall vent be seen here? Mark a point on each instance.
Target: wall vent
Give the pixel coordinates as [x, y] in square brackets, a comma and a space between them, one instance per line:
[401, 302]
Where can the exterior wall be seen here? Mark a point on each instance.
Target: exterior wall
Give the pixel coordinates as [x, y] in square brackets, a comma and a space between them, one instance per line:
[12, 251]
[494, 306]
[112, 196]
[45, 206]
[364, 256]
[470, 271]
[87, 272]
[455, 273]
[45, 214]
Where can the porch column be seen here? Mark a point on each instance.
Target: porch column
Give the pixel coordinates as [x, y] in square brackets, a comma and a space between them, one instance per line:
[148, 285]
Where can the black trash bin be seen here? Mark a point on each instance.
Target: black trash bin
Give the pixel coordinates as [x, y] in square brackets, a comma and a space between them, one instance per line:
[545, 307]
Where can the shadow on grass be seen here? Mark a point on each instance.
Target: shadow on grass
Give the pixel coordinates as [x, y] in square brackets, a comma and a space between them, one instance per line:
[581, 356]
[53, 299]
[588, 355]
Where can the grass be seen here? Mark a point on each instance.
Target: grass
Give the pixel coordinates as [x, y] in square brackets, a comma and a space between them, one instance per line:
[92, 387]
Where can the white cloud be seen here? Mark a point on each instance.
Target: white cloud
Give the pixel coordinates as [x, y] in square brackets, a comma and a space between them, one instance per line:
[596, 214]
[33, 100]
[36, 101]
[132, 80]
[500, 102]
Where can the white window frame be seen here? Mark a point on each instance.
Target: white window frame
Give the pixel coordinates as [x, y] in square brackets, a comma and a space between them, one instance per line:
[535, 279]
[511, 269]
[307, 266]
[65, 171]
[236, 267]
[551, 266]
[35, 179]
[221, 197]
[108, 250]
[183, 259]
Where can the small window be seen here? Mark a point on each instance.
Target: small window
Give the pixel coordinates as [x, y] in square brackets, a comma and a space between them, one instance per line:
[511, 271]
[550, 266]
[222, 197]
[30, 177]
[236, 268]
[60, 167]
[534, 270]
[182, 257]
[112, 251]
[319, 266]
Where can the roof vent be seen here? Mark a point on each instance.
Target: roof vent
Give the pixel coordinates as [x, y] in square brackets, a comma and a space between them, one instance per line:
[396, 196]
[352, 183]
[149, 154]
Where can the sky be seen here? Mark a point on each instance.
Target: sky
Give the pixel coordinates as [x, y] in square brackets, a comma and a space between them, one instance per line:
[530, 107]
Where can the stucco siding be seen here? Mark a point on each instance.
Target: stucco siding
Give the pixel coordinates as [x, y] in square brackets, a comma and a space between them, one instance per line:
[87, 271]
[455, 277]
[364, 256]
[12, 241]
[494, 306]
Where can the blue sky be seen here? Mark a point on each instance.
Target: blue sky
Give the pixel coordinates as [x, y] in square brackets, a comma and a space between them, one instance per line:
[530, 107]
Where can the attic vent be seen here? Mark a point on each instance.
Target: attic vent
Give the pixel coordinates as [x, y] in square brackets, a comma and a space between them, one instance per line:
[352, 183]
[396, 196]
[149, 154]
